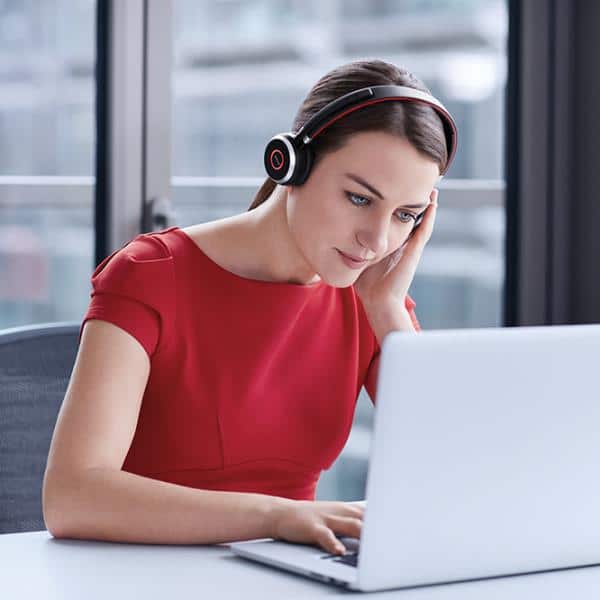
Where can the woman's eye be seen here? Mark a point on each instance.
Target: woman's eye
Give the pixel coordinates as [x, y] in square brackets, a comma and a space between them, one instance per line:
[403, 215]
[406, 217]
[357, 200]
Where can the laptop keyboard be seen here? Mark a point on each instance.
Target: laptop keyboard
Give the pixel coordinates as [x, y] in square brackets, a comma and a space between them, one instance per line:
[350, 559]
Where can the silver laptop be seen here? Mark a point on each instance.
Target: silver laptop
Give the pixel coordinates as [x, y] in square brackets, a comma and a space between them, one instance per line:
[484, 461]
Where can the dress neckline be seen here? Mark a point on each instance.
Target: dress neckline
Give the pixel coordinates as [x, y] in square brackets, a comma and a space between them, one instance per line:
[248, 280]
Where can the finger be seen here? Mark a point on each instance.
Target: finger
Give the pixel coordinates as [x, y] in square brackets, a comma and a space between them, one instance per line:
[429, 218]
[431, 209]
[354, 510]
[327, 540]
[348, 526]
[422, 234]
[346, 509]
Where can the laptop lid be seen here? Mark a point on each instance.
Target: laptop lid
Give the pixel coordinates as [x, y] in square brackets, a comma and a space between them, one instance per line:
[485, 455]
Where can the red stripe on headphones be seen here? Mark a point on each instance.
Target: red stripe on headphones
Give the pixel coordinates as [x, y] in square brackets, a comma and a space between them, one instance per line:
[376, 101]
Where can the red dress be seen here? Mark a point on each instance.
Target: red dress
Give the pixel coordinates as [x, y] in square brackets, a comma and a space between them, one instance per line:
[252, 385]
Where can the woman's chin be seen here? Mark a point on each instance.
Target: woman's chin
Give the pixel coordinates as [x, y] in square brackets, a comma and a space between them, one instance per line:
[340, 280]
[338, 275]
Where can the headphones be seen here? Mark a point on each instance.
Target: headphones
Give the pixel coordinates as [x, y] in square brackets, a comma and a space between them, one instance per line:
[289, 156]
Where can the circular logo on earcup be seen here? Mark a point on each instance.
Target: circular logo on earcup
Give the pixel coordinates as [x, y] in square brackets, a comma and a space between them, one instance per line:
[277, 159]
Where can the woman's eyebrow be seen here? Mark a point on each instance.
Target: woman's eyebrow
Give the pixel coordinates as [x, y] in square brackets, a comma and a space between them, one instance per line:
[376, 192]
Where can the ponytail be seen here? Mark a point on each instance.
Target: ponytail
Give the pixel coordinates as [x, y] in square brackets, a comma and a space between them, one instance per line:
[266, 189]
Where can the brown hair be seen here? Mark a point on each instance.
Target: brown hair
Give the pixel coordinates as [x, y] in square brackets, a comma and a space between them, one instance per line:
[418, 123]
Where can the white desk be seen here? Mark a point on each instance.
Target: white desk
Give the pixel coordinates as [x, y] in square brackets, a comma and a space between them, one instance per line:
[38, 567]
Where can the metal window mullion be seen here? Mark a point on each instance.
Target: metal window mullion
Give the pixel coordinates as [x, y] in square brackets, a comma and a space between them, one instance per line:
[583, 198]
[158, 50]
[123, 122]
[530, 233]
[560, 249]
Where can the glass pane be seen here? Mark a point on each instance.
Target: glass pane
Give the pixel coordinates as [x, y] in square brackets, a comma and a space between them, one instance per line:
[47, 140]
[241, 69]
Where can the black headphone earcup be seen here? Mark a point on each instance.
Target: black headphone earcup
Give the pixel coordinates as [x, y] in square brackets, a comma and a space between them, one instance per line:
[304, 161]
[279, 155]
[282, 154]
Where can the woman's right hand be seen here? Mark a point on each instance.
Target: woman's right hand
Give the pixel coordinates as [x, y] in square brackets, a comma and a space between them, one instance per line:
[318, 522]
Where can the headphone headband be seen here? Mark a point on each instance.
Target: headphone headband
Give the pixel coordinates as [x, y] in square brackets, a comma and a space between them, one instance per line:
[288, 156]
[358, 99]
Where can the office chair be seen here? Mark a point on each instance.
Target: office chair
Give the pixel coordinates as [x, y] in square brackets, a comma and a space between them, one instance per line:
[35, 367]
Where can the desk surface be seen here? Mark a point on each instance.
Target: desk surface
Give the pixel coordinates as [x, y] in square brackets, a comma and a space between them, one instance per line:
[37, 566]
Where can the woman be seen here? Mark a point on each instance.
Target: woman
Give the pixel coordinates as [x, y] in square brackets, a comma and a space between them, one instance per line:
[219, 365]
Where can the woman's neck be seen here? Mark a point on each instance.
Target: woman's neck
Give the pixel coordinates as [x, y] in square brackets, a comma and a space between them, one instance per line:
[268, 240]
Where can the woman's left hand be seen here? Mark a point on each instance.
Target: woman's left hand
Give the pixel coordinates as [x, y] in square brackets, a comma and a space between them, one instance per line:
[382, 287]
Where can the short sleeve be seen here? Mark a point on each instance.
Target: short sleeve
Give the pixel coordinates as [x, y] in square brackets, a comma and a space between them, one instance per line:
[132, 288]
[373, 371]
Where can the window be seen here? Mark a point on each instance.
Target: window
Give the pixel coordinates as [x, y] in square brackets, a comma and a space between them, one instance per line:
[47, 135]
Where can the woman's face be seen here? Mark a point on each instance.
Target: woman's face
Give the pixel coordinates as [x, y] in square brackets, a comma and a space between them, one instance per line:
[339, 208]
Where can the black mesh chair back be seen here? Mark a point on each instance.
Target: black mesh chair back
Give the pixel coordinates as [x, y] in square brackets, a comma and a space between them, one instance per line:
[35, 367]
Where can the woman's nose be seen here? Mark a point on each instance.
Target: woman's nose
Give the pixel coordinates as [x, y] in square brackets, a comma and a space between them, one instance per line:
[374, 237]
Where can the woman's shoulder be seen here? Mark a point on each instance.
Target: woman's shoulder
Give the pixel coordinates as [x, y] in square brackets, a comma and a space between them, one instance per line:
[134, 289]
[228, 244]
[143, 261]
[149, 246]
[154, 254]
[206, 237]
[144, 247]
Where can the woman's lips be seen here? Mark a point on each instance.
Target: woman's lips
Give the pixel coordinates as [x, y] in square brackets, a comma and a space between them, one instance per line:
[350, 261]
